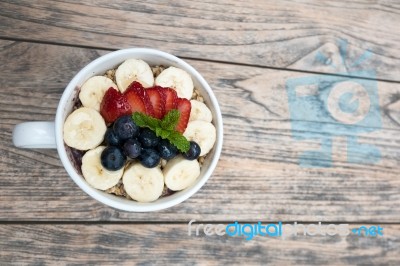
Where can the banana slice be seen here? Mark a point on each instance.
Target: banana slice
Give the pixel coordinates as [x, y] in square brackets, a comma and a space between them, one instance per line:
[202, 132]
[84, 129]
[93, 90]
[95, 174]
[180, 173]
[200, 111]
[177, 79]
[134, 70]
[143, 184]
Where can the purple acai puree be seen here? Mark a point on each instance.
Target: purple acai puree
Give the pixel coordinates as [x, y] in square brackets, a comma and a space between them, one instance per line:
[75, 155]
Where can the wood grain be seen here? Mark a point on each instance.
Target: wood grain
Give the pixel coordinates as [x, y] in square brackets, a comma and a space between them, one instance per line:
[165, 244]
[280, 34]
[246, 51]
[258, 176]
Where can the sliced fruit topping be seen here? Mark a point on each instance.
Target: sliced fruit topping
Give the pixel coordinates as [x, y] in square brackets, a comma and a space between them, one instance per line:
[93, 90]
[203, 133]
[135, 101]
[200, 112]
[94, 172]
[132, 93]
[114, 105]
[112, 158]
[136, 86]
[84, 129]
[178, 79]
[134, 70]
[184, 108]
[180, 173]
[157, 101]
[143, 184]
[170, 97]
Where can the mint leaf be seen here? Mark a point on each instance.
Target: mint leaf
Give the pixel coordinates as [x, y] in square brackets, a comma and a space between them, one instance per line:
[170, 120]
[165, 128]
[162, 133]
[179, 141]
[143, 120]
[158, 131]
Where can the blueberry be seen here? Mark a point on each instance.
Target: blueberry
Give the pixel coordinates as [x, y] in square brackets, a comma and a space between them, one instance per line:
[193, 152]
[149, 158]
[111, 138]
[112, 158]
[166, 149]
[132, 148]
[125, 128]
[148, 138]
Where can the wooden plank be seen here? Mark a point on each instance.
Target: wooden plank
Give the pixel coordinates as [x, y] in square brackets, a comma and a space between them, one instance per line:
[160, 244]
[258, 176]
[296, 35]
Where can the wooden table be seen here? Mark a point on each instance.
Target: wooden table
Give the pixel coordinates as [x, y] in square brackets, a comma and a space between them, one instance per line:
[247, 51]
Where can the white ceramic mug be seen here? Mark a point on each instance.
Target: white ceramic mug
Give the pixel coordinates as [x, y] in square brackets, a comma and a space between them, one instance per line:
[50, 134]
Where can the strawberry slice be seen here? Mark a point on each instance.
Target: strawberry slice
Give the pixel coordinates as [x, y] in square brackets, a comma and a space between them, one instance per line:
[184, 107]
[137, 88]
[157, 101]
[170, 98]
[135, 101]
[135, 85]
[114, 105]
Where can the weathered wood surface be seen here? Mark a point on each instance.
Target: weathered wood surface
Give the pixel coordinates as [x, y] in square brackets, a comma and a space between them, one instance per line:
[258, 176]
[247, 51]
[278, 34]
[164, 244]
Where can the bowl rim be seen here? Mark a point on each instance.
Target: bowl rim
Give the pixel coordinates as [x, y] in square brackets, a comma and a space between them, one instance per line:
[114, 201]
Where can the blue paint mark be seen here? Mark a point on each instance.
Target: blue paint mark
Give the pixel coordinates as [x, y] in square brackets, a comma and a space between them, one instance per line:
[311, 119]
[348, 103]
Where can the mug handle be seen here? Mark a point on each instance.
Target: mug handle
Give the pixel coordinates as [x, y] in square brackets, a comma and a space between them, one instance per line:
[35, 135]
